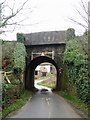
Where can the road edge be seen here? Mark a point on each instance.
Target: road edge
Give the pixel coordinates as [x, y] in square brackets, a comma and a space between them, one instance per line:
[80, 112]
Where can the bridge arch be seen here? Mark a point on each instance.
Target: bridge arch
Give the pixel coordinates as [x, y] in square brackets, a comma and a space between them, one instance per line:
[29, 81]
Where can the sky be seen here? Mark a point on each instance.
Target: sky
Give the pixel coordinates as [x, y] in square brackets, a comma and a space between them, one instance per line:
[44, 15]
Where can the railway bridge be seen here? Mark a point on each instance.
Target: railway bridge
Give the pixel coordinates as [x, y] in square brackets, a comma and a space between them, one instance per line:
[44, 47]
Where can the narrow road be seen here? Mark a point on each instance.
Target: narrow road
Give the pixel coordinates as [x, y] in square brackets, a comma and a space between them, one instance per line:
[46, 104]
[41, 87]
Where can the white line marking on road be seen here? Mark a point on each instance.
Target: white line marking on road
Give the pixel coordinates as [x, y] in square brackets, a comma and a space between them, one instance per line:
[49, 115]
[47, 101]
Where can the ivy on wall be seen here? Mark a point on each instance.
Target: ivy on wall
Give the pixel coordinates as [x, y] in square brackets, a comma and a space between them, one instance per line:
[20, 37]
[70, 33]
[18, 56]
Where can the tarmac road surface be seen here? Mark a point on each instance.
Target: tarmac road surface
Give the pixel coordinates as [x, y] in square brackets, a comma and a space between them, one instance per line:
[46, 104]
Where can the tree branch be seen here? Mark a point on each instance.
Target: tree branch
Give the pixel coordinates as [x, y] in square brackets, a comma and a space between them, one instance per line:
[2, 2]
[83, 16]
[6, 19]
[78, 23]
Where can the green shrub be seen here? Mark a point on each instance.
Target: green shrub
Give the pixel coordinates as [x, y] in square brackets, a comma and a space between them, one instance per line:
[11, 92]
[14, 53]
[70, 34]
[73, 54]
[19, 55]
[77, 63]
[16, 82]
[8, 49]
[20, 37]
[0, 54]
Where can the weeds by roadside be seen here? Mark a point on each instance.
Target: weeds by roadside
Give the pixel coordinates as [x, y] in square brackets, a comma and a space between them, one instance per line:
[17, 104]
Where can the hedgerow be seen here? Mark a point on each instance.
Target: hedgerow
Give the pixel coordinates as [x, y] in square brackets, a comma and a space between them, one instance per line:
[13, 60]
[77, 69]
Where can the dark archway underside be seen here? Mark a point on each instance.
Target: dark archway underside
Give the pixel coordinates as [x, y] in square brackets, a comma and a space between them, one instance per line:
[29, 82]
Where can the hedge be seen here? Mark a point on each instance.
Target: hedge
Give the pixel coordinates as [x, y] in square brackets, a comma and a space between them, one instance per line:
[77, 70]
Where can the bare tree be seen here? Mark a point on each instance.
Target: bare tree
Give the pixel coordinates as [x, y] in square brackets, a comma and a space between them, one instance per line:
[83, 13]
[89, 15]
[6, 20]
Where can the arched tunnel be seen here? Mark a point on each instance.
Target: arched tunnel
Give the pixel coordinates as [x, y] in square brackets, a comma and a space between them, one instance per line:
[30, 68]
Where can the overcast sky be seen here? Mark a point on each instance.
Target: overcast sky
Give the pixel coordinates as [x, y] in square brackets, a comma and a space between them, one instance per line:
[46, 15]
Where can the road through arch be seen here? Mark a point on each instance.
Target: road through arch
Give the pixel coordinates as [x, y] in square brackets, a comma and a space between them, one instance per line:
[29, 82]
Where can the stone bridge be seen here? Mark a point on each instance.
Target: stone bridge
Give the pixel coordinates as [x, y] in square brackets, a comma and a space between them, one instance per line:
[44, 47]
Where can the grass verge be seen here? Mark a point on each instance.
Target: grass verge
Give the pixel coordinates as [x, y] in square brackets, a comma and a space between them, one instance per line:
[50, 82]
[46, 84]
[17, 104]
[75, 101]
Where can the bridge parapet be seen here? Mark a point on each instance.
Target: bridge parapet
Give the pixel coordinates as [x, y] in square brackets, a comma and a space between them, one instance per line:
[45, 38]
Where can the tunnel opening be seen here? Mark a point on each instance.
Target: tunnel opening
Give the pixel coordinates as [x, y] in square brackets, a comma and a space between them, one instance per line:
[45, 75]
[30, 72]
